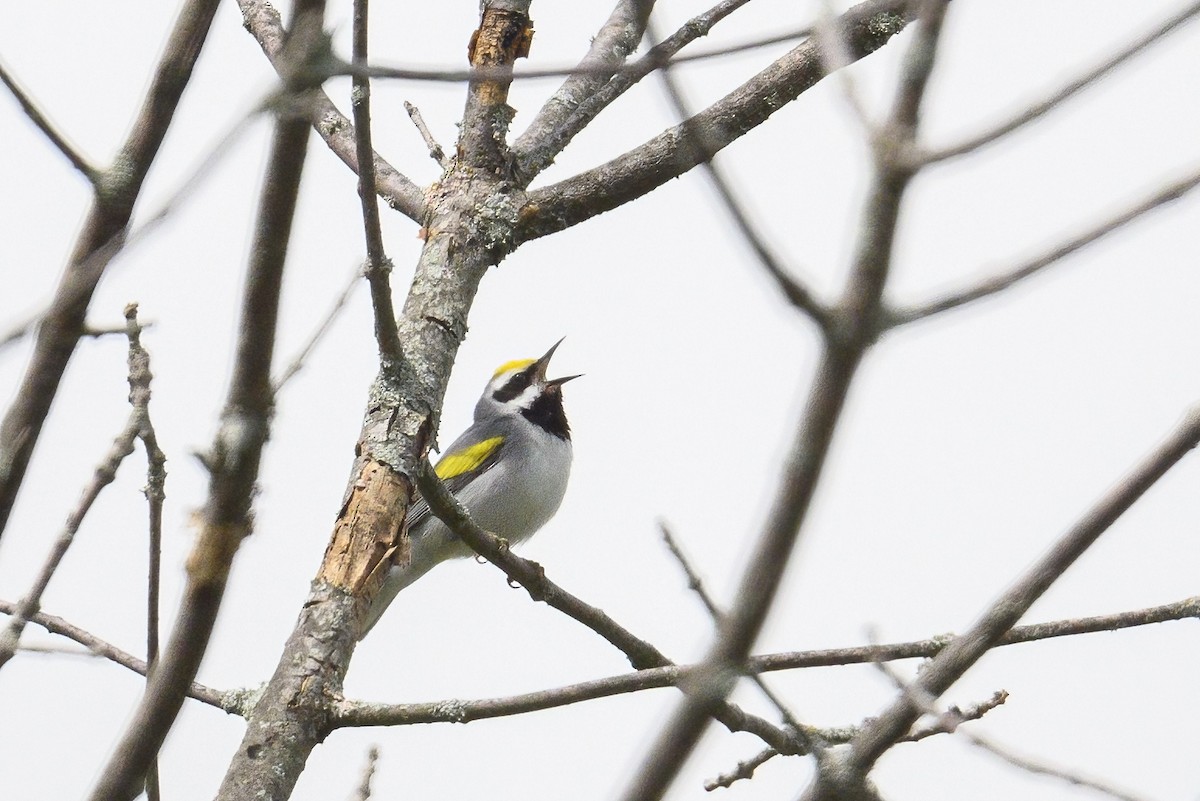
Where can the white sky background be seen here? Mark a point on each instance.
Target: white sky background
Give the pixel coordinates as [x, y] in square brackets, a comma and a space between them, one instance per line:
[969, 444]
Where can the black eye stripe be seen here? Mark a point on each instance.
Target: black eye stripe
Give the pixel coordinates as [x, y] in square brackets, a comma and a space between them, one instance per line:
[514, 386]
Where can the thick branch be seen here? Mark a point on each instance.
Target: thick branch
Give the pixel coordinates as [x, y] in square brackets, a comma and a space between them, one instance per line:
[468, 228]
[866, 27]
[100, 239]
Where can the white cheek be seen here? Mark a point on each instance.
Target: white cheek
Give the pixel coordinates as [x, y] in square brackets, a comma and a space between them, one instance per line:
[526, 398]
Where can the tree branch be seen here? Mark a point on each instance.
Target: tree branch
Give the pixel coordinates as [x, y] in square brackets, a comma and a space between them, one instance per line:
[1014, 275]
[136, 426]
[47, 128]
[100, 239]
[264, 24]
[532, 577]
[379, 266]
[845, 345]
[237, 449]
[868, 26]
[795, 292]
[1087, 79]
[227, 702]
[962, 652]
[556, 122]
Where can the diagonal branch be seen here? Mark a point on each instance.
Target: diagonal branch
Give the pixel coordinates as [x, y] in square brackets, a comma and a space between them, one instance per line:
[845, 346]
[532, 577]
[616, 39]
[237, 449]
[884, 731]
[63, 324]
[1076, 86]
[47, 128]
[796, 293]
[867, 27]
[1172, 192]
[228, 702]
[265, 25]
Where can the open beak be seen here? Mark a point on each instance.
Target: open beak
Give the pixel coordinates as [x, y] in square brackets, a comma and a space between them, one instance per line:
[543, 363]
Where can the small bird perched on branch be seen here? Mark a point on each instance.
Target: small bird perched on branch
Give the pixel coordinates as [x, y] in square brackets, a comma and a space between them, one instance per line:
[509, 471]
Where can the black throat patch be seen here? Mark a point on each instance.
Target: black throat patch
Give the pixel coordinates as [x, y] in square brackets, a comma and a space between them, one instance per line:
[546, 412]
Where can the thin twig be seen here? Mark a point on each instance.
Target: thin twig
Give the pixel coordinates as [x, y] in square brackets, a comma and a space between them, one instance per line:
[104, 474]
[339, 303]
[1013, 275]
[47, 128]
[363, 791]
[743, 770]
[435, 150]
[1085, 80]
[836, 56]
[378, 267]
[696, 585]
[1036, 766]
[796, 293]
[106, 650]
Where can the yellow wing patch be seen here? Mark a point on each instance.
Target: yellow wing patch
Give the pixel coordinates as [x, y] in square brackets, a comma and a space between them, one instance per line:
[466, 460]
[518, 364]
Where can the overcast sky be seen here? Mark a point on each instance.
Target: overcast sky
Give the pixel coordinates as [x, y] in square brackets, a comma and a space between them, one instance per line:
[970, 441]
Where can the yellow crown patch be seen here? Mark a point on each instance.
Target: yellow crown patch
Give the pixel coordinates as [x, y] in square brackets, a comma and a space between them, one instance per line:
[516, 364]
[466, 460]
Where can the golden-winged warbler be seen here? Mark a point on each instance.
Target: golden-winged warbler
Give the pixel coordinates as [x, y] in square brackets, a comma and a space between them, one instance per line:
[509, 470]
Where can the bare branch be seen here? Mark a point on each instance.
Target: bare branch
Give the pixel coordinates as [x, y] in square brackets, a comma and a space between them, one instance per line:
[360, 713]
[136, 426]
[48, 130]
[532, 577]
[339, 303]
[264, 24]
[237, 449]
[811, 744]
[845, 345]
[1089, 78]
[549, 135]
[363, 791]
[743, 770]
[1030, 267]
[796, 293]
[435, 150]
[226, 702]
[616, 39]
[379, 266]
[1031, 765]
[962, 652]
[59, 330]
[869, 26]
